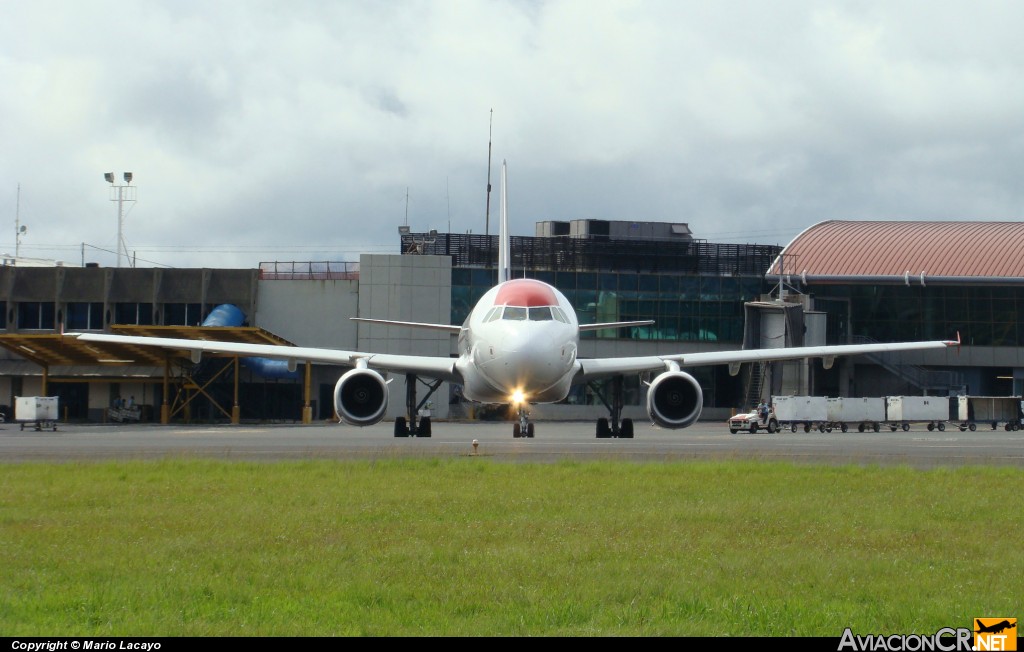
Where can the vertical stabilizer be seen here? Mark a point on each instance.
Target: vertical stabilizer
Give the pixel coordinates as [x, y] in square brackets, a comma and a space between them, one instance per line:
[504, 243]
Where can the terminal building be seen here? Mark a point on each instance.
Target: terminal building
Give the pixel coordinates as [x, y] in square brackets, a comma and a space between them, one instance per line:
[837, 282]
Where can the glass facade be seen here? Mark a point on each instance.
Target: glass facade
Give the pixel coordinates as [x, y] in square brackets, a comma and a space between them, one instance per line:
[683, 307]
[983, 315]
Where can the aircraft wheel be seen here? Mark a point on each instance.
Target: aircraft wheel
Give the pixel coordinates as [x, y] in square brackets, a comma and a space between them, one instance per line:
[627, 429]
[516, 430]
[400, 428]
[942, 426]
[972, 427]
[603, 432]
[906, 427]
[529, 430]
[424, 430]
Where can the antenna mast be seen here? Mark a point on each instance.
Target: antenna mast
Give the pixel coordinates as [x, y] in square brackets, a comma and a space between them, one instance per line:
[18, 229]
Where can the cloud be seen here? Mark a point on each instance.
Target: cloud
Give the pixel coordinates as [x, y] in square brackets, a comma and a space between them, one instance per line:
[311, 130]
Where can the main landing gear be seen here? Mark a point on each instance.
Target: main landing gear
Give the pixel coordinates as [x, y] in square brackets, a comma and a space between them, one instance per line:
[407, 426]
[523, 428]
[612, 426]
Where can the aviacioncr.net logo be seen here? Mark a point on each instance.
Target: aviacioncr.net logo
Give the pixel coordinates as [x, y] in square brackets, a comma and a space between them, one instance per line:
[999, 634]
[946, 639]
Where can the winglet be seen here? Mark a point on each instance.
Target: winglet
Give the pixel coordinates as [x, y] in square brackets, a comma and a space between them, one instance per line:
[956, 343]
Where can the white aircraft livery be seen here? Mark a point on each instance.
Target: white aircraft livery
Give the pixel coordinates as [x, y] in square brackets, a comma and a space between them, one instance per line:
[518, 346]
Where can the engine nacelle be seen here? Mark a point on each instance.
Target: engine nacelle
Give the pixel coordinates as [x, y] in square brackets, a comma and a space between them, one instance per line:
[675, 400]
[361, 397]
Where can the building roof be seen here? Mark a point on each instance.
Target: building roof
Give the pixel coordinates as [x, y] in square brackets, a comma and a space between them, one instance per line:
[907, 252]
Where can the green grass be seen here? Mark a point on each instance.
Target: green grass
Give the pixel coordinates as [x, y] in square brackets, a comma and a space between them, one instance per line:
[475, 547]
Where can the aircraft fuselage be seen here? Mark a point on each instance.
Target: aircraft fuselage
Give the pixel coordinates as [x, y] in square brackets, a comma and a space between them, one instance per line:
[520, 340]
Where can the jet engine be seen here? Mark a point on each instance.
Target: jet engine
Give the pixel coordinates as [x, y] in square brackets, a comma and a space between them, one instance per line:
[674, 400]
[361, 397]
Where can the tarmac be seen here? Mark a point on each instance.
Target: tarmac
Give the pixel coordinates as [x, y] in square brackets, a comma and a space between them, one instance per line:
[553, 442]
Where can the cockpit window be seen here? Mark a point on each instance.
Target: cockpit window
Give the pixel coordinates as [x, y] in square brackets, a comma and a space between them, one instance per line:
[559, 315]
[540, 313]
[494, 314]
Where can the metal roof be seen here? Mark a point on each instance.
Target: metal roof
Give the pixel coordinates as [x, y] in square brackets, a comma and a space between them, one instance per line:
[52, 349]
[907, 252]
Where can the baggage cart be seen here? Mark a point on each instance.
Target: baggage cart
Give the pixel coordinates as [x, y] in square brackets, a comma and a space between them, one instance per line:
[902, 411]
[38, 411]
[865, 413]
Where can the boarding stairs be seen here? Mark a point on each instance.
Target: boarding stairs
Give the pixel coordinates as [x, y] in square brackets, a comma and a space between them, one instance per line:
[938, 382]
[755, 382]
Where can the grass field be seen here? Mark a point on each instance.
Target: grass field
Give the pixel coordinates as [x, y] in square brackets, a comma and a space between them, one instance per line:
[474, 547]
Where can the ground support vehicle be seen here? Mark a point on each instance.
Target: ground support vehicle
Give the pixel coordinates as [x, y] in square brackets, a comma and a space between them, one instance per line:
[989, 410]
[752, 422]
[865, 413]
[902, 411]
[807, 412]
[38, 411]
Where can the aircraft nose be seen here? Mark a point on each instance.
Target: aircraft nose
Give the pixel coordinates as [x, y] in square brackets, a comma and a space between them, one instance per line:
[529, 360]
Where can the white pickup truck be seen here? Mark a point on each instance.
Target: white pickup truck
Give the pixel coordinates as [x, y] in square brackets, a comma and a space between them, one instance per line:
[752, 422]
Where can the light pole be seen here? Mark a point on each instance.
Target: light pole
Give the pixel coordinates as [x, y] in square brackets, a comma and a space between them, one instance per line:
[120, 194]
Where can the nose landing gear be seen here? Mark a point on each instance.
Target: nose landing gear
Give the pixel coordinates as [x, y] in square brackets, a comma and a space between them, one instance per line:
[523, 428]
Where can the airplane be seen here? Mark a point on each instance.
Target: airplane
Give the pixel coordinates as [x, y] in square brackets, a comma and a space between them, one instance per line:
[996, 628]
[518, 346]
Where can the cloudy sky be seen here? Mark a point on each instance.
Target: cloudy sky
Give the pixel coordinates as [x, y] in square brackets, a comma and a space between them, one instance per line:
[311, 129]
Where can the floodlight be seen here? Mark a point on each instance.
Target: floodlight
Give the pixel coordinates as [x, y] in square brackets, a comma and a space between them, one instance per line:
[127, 177]
[109, 176]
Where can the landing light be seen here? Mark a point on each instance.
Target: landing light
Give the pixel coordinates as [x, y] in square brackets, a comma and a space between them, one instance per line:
[518, 397]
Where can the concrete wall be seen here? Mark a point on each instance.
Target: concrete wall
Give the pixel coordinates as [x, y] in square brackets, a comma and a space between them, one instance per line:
[309, 313]
[406, 288]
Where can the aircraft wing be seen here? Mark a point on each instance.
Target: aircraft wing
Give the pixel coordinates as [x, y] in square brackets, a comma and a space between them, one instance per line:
[432, 366]
[411, 324]
[615, 324]
[602, 367]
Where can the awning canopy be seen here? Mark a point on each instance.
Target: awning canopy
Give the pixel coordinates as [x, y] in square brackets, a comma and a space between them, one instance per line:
[53, 349]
